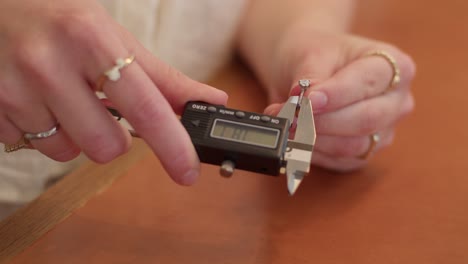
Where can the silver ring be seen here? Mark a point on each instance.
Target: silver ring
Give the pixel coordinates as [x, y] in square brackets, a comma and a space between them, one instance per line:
[40, 135]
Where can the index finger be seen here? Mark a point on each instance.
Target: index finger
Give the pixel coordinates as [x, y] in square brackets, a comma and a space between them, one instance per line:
[139, 100]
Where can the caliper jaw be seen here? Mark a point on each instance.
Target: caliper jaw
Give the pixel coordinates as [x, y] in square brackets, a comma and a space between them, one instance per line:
[298, 155]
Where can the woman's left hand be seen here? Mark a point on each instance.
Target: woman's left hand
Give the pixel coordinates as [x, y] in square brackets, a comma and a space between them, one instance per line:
[351, 93]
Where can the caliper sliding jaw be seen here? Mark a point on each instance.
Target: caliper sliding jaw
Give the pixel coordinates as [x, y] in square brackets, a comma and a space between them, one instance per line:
[298, 154]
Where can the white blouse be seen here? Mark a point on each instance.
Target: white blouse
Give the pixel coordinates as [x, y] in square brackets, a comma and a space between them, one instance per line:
[194, 36]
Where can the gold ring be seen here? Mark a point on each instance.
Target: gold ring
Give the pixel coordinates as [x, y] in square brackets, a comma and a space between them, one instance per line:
[21, 144]
[113, 74]
[396, 71]
[374, 140]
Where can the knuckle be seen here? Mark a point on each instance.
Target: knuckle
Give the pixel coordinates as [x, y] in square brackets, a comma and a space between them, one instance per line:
[390, 138]
[8, 134]
[351, 147]
[8, 101]
[147, 114]
[370, 120]
[12, 104]
[175, 75]
[65, 155]
[33, 59]
[387, 142]
[408, 106]
[407, 66]
[20, 48]
[30, 53]
[102, 150]
[79, 25]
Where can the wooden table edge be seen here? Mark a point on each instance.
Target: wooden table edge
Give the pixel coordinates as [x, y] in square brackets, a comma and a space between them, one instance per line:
[30, 223]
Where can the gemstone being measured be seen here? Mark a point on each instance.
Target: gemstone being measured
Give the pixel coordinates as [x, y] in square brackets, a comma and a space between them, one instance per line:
[304, 83]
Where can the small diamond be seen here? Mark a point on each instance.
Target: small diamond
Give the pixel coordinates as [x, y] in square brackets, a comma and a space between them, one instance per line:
[304, 83]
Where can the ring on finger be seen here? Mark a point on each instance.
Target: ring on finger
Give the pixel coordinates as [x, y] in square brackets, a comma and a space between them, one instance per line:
[25, 140]
[374, 140]
[396, 78]
[113, 74]
[21, 144]
[45, 134]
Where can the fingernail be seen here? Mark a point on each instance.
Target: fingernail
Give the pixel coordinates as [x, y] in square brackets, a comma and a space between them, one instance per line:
[221, 92]
[223, 95]
[190, 177]
[268, 111]
[318, 99]
[218, 95]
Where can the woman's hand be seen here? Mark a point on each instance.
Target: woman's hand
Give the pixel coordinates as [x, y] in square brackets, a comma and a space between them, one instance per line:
[350, 93]
[51, 55]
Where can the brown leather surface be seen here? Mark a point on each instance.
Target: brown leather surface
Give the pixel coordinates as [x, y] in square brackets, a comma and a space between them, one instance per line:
[408, 206]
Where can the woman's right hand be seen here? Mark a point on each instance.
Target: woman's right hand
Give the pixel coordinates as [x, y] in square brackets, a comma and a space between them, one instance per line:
[51, 55]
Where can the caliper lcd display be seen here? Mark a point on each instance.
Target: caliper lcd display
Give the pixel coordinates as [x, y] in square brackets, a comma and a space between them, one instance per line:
[245, 133]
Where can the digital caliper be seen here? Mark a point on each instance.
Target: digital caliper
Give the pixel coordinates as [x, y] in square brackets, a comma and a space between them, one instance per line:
[254, 142]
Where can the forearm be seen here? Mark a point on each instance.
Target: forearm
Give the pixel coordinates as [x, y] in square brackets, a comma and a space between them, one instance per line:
[266, 22]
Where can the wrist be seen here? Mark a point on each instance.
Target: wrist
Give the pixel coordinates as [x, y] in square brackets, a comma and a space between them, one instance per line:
[268, 38]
